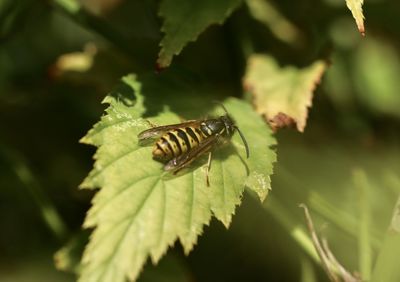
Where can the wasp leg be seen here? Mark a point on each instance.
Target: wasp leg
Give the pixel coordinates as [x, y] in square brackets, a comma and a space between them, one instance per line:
[208, 169]
[150, 123]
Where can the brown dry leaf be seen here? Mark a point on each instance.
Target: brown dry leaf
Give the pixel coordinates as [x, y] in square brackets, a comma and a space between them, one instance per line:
[282, 95]
[281, 120]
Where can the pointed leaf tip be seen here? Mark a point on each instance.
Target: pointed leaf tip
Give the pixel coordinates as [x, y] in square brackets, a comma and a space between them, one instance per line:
[355, 6]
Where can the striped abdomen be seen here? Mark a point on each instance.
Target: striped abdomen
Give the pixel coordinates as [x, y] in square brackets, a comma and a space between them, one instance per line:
[177, 142]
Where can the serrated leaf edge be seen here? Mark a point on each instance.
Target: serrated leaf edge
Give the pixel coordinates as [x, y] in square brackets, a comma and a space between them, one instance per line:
[355, 6]
[167, 62]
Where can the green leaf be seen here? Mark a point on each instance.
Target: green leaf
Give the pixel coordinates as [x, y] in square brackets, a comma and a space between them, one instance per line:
[355, 6]
[307, 270]
[272, 18]
[377, 90]
[184, 20]
[140, 210]
[335, 202]
[282, 95]
[387, 264]
[169, 269]
[275, 207]
[364, 241]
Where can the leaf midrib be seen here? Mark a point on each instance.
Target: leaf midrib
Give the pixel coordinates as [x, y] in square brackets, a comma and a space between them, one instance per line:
[124, 234]
[125, 188]
[118, 158]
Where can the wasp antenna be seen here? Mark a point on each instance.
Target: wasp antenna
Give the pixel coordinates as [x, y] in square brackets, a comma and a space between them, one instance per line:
[222, 106]
[244, 142]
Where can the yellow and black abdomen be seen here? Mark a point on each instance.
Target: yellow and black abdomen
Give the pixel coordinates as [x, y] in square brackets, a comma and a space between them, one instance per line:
[177, 142]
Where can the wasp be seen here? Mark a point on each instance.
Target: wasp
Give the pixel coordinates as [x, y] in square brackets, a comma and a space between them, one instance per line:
[180, 144]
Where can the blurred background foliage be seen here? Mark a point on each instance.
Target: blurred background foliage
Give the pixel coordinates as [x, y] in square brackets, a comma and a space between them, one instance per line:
[57, 63]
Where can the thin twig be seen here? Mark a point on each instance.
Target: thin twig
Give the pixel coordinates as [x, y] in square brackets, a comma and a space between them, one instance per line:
[318, 247]
[332, 267]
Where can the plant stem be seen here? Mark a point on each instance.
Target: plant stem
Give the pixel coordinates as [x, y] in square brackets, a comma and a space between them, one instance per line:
[47, 209]
[276, 209]
[364, 244]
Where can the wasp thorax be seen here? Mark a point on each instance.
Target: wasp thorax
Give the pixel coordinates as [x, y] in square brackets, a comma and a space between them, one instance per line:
[221, 126]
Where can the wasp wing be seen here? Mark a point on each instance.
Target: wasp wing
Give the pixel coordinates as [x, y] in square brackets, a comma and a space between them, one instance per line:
[158, 131]
[185, 159]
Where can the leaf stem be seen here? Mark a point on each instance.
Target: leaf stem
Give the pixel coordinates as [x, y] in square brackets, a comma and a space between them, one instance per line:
[318, 204]
[364, 242]
[276, 209]
[48, 211]
[387, 266]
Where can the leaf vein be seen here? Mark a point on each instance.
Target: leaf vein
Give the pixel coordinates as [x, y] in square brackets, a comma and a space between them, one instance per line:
[118, 158]
[125, 188]
[191, 205]
[132, 217]
[164, 204]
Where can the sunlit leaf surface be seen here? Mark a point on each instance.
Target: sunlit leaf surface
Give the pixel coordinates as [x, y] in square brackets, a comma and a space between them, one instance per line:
[140, 210]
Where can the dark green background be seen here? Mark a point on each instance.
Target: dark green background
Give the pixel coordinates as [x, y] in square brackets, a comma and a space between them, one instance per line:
[353, 125]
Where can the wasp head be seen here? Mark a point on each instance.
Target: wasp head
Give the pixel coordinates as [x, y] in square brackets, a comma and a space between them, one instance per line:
[230, 128]
[229, 125]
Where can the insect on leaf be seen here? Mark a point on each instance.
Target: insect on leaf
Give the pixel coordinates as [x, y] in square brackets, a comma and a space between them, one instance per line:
[140, 210]
[184, 20]
[282, 95]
